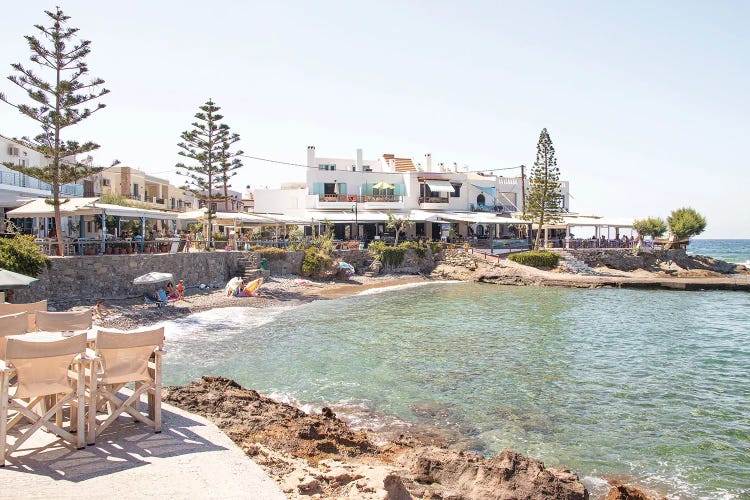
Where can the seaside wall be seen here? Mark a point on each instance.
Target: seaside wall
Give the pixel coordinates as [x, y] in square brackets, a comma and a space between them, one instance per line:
[290, 264]
[111, 276]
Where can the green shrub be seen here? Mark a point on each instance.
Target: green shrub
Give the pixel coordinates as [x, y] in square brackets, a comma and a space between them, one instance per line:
[21, 255]
[315, 259]
[536, 258]
[271, 253]
[377, 246]
[436, 247]
[686, 222]
[391, 256]
[418, 248]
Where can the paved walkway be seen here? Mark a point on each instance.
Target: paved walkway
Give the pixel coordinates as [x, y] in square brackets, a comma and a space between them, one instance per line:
[191, 458]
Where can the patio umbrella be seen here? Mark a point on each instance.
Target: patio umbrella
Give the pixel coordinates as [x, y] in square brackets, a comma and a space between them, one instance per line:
[12, 281]
[152, 278]
[383, 185]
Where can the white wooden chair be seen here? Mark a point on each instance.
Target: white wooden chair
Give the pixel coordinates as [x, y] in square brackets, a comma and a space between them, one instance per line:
[42, 369]
[31, 308]
[63, 321]
[12, 324]
[118, 359]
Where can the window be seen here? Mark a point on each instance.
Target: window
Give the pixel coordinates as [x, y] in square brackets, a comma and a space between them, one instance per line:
[480, 199]
[105, 182]
[213, 207]
[327, 166]
[456, 190]
[13, 151]
[135, 191]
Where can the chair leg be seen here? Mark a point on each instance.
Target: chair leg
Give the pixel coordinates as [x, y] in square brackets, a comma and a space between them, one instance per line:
[4, 385]
[80, 409]
[93, 404]
[157, 394]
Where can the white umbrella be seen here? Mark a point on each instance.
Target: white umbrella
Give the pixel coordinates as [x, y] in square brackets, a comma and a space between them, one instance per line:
[10, 280]
[152, 278]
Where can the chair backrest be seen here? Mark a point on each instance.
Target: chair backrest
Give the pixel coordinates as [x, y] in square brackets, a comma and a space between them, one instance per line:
[63, 321]
[125, 355]
[31, 308]
[12, 324]
[42, 367]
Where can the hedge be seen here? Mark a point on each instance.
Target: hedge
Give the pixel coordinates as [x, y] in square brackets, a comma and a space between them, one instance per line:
[536, 258]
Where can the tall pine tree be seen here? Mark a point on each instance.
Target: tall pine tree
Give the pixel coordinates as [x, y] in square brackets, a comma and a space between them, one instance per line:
[57, 106]
[207, 144]
[543, 203]
[229, 163]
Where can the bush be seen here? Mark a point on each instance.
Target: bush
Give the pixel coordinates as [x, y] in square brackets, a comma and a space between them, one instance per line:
[391, 256]
[271, 253]
[315, 260]
[650, 226]
[686, 222]
[21, 255]
[419, 248]
[536, 258]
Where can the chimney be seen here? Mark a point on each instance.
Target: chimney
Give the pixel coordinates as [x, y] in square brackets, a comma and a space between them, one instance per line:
[310, 156]
[359, 159]
[428, 162]
[441, 167]
[455, 167]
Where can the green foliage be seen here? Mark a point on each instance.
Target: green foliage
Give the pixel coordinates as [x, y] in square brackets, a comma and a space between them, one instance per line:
[21, 255]
[536, 258]
[543, 203]
[217, 236]
[436, 247]
[418, 247]
[686, 222]
[377, 246]
[650, 226]
[271, 253]
[392, 256]
[315, 260]
[58, 103]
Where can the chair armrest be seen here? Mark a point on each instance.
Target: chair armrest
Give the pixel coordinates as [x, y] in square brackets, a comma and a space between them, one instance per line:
[160, 352]
[6, 368]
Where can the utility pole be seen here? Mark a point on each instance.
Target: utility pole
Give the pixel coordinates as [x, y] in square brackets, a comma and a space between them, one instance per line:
[523, 187]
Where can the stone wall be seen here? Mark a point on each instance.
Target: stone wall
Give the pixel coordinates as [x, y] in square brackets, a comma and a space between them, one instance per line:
[111, 276]
[290, 264]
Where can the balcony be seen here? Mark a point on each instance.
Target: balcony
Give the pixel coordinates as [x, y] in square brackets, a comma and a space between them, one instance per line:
[432, 199]
[506, 208]
[353, 198]
[24, 181]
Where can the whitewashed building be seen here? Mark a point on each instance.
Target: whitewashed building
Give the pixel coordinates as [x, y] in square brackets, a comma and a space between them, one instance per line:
[361, 192]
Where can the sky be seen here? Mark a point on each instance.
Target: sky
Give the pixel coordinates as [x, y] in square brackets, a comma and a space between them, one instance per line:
[646, 102]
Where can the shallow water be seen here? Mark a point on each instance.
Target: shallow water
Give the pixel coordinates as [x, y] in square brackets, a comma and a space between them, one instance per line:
[649, 383]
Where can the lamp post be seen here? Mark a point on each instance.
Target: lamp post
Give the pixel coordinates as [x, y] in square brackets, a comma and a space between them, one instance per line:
[356, 221]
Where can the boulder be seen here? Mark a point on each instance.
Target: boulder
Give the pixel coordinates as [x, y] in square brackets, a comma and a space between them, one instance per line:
[507, 475]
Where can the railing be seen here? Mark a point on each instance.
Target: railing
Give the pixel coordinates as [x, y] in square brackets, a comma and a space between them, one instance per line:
[433, 199]
[22, 180]
[353, 198]
[592, 243]
[493, 208]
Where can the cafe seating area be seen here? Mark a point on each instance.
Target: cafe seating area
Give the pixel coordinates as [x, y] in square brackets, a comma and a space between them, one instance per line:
[61, 374]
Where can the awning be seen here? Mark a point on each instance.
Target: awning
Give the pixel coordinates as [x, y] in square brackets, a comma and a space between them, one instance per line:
[480, 218]
[40, 208]
[440, 186]
[492, 191]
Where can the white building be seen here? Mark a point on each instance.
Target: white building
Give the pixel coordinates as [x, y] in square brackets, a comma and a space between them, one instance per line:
[363, 191]
[17, 188]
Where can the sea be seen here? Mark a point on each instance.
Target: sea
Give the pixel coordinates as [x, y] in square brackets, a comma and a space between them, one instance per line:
[647, 386]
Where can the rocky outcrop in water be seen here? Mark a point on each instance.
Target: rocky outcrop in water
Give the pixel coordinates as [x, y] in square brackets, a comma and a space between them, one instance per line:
[624, 492]
[320, 455]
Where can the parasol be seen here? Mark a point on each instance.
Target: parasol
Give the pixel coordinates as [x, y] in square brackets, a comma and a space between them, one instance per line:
[11, 281]
[152, 278]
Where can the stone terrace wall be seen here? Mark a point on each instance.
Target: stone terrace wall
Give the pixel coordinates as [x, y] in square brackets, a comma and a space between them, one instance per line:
[290, 264]
[111, 276]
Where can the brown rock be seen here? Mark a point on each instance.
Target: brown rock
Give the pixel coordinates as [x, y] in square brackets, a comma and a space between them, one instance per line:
[625, 492]
[508, 475]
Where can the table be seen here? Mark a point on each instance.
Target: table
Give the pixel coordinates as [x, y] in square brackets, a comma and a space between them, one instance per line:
[53, 336]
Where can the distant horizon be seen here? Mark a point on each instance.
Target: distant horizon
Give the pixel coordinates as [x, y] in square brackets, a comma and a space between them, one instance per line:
[645, 103]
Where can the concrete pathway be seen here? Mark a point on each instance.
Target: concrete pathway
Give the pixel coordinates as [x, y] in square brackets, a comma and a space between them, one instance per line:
[191, 458]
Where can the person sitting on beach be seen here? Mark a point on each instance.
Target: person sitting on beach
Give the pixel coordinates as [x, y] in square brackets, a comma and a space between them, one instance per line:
[152, 297]
[171, 292]
[100, 310]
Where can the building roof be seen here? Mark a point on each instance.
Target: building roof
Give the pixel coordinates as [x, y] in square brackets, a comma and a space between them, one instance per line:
[86, 206]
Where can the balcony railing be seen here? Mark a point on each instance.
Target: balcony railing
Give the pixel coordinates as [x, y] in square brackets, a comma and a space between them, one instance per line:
[433, 199]
[493, 208]
[353, 198]
[21, 180]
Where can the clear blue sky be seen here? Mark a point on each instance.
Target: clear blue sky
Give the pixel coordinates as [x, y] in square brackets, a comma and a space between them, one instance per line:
[646, 102]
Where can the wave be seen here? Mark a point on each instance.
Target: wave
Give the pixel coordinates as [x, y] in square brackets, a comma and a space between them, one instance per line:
[226, 317]
[384, 289]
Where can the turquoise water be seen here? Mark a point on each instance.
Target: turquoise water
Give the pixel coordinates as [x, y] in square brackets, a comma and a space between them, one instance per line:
[654, 384]
[737, 251]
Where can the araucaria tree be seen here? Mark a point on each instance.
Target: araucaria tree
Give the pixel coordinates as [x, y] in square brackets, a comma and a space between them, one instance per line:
[208, 144]
[229, 163]
[57, 105]
[543, 203]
